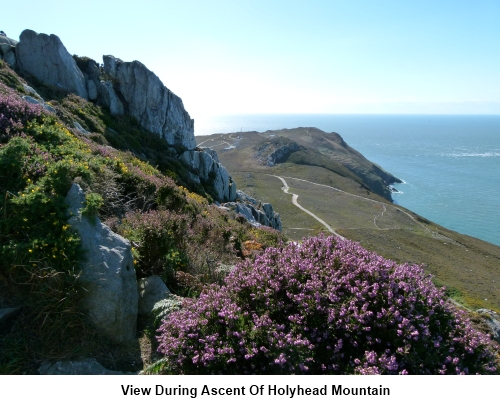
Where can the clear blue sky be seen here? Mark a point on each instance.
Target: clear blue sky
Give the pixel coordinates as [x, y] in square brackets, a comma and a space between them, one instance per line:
[352, 56]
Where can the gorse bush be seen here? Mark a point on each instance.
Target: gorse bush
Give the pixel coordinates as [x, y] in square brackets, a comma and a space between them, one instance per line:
[327, 306]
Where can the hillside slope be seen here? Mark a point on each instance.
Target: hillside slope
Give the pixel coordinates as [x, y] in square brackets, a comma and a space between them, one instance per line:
[339, 186]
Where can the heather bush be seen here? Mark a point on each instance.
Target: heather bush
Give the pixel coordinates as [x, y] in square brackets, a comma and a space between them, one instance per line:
[326, 306]
[15, 113]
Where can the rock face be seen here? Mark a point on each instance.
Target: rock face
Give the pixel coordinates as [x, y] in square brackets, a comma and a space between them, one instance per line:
[108, 273]
[45, 57]
[206, 166]
[255, 212]
[150, 102]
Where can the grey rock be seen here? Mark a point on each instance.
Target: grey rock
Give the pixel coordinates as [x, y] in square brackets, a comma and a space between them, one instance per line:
[107, 272]
[245, 197]
[492, 321]
[32, 91]
[79, 128]
[150, 102]
[151, 290]
[208, 169]
[7, 313]
[212, 153]
[81, 367]
[46, 58]
[32, 100]
[110, 98]
[255, 212]
[92, 90]
[7, 43]
[90, 70]
[10, 59]
[5, 48]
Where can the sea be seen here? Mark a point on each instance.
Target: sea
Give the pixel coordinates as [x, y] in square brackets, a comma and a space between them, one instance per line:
[449, 164]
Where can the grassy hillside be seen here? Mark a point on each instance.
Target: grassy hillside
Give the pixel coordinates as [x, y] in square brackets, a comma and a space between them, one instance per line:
[467, 266]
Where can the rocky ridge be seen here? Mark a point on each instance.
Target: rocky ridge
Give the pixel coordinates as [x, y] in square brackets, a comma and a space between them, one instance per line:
[125, 88]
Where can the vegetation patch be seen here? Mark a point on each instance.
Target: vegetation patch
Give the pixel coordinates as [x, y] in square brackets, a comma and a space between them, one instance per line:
[327, 306]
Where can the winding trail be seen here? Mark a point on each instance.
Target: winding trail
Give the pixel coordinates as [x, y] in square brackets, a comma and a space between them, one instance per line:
[285, 189]
[366, 199]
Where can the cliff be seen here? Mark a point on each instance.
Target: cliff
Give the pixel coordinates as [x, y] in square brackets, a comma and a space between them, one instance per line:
[125, 88]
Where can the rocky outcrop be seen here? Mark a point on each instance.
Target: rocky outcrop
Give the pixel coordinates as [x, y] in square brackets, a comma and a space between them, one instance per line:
[206, 167]
[275, 150]
[255, 212]
[108, 273]
[91, 73]
[150, 102]
[45, 57]
[8, 50]
[126, 88]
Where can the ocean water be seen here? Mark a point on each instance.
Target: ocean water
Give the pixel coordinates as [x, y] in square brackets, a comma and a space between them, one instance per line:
[450, 164]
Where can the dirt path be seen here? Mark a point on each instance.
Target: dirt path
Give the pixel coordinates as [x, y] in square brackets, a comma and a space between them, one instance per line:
[435, 235]
[285, 189]
[363, 198]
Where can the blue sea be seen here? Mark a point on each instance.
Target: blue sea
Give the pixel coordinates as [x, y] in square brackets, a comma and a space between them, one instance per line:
[450, 164]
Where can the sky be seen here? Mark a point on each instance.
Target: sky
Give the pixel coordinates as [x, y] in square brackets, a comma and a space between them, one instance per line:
[328, 57]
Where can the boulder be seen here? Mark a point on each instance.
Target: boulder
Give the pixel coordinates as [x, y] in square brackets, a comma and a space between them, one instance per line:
[154, 106]
[45, 57]
[151, 290]
[10, 59]
[107, 272]
[7, 45]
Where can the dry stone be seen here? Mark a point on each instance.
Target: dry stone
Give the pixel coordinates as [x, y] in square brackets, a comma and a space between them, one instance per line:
[107, 272]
